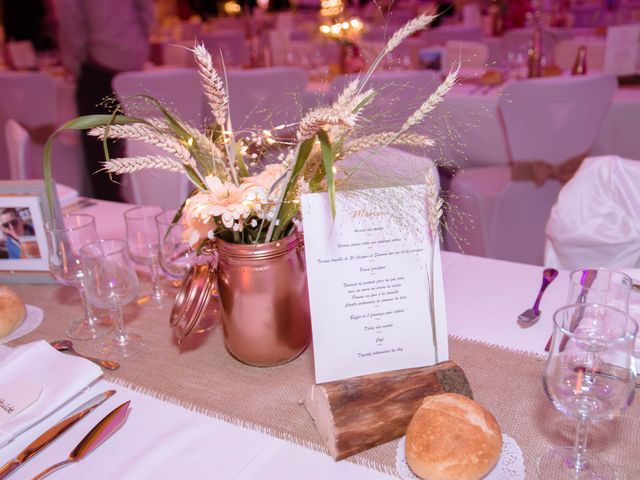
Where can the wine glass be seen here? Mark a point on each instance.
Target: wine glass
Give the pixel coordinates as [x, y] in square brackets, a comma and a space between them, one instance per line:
[64, 240]
[600, 285]
[176, 256]
[143, 242]
[590, 374]
[112, 282]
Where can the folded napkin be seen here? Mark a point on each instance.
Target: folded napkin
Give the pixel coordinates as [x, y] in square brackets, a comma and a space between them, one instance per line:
[60, 377]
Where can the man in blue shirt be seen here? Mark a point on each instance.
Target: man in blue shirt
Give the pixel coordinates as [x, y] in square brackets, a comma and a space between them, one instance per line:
[13, 228]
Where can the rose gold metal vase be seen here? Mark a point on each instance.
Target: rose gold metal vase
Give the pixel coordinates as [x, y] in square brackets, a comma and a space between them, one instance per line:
[264, 300]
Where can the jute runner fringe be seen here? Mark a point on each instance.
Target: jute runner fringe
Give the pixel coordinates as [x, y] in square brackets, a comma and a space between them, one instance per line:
[202, 376]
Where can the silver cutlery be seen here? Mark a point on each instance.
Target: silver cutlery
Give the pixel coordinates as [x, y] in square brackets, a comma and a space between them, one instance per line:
[48, 437]
[96, 437]
[67, 345]
[532, 315]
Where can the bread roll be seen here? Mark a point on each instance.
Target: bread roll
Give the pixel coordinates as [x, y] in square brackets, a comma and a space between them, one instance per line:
[12, 311]
[452, 438]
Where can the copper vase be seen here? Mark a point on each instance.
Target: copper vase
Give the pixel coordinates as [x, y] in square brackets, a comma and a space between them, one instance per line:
[264, 300]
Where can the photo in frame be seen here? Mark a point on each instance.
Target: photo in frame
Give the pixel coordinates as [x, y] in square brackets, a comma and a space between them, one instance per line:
[24, 210]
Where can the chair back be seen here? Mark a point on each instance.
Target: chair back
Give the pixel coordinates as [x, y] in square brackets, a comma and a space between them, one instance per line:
[399, 94]
[554, 119]
[17, 139]
[180, 90]
[265, 97]
[596, 220]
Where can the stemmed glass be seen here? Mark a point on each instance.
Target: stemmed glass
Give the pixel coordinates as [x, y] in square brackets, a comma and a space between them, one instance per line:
[111, 283]
[64, 241]
[590, 374]
[600, 285]
[143, 242]
[176, 256]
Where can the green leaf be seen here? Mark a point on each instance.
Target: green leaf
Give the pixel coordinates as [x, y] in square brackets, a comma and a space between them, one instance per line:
[365, 101]
[80, 123]
[328, 161]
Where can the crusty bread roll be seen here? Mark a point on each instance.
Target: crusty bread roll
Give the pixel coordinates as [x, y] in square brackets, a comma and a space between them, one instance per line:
[12, 311]
[451, 437]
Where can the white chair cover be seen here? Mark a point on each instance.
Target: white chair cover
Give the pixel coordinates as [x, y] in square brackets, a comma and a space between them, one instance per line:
[545, 119]
[565, 52]
[180, 90]
[30, 99]
[596, 220]
[469, 54]
[265, 97]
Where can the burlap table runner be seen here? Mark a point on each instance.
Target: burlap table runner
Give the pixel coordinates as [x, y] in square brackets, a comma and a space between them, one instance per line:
[202, 376]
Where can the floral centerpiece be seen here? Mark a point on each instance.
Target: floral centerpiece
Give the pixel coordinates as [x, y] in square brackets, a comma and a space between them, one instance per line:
[234, 199]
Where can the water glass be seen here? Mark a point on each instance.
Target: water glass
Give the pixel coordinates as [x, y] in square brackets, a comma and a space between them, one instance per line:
[590, 374]
[111, 283]
[143, 242]
[600, 285]
[64, 240]
[176, 256]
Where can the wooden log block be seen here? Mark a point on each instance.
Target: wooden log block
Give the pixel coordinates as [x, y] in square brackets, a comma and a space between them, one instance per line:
[359, 413]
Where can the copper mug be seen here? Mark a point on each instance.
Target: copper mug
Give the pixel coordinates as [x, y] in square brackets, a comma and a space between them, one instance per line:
[264, 300]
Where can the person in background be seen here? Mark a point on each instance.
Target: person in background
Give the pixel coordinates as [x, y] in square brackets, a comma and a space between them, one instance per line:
[14, 228]
[97, 40]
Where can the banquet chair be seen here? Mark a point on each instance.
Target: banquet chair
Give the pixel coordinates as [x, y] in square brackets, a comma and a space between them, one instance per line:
[30, 99]
[230, 43]
[265, 97]
[469, 54]
[180, 90]
[550, 124]
[596, 220]
[565, 52]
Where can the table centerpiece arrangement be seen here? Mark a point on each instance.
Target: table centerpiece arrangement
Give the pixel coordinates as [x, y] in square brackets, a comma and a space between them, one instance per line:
[246, 213]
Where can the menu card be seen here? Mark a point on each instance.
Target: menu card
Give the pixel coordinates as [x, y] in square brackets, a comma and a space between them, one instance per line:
[375, 282]
[622, 49]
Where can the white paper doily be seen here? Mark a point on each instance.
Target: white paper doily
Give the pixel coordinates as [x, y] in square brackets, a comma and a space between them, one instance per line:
[32, 320]
[510, 465]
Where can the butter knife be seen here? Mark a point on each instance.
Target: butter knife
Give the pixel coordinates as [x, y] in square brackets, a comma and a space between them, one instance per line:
[53, 433]
[96, 437]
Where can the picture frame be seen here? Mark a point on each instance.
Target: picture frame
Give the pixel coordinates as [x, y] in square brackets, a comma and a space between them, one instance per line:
[24, 210]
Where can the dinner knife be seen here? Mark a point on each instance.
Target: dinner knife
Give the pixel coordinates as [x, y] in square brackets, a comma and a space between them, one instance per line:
[53, 433]
[96, 437]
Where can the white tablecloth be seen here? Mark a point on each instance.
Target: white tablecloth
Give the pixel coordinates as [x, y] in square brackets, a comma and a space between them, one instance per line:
[164, 441]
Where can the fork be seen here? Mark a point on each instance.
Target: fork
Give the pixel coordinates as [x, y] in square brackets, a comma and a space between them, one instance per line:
[532, 315]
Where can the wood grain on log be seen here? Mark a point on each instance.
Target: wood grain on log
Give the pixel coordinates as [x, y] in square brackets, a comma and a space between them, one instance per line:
[359, 413]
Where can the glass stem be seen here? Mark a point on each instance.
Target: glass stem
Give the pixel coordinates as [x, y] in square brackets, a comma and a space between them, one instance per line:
[88, 309]
[156, 290]
[580, 445]
[120, 334]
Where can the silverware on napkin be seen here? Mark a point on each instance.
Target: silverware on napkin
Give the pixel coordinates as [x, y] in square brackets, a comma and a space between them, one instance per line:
[96, 437]
[44, 440]
[532, 315]
[67, 346]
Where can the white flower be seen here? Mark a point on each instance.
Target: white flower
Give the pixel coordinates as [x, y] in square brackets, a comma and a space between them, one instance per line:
[266, 179]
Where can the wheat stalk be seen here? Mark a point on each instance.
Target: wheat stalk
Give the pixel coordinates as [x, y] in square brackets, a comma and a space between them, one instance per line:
[434, 204]
[212, 84]
[135, 164]
[408, 29]
[387, 138]
[432, 102]
[321, 117]
[150, 135]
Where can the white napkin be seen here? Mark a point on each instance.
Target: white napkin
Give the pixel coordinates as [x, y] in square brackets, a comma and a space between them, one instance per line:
[60, 376]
